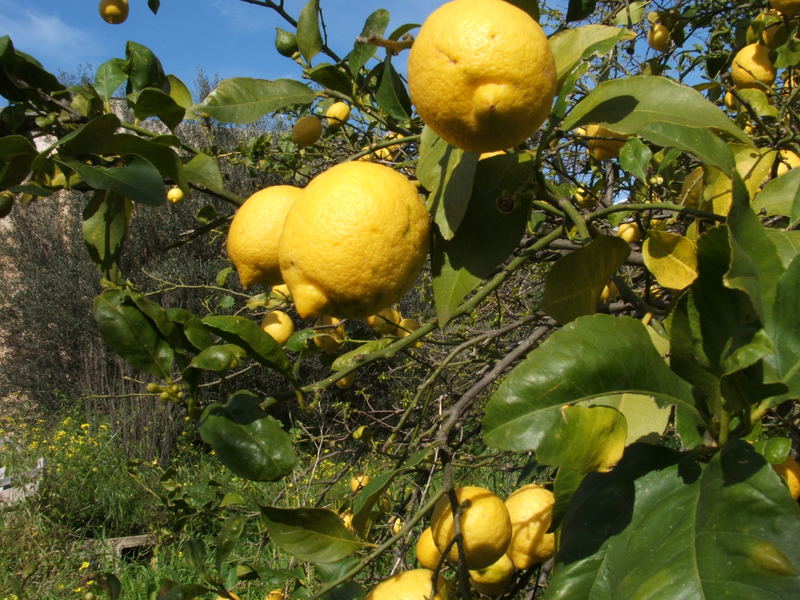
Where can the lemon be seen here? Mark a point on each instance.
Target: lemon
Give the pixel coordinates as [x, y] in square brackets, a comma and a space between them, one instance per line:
[329, 338]
[306, 131]
[426, 551]
[609, 291]
[751, 66]
[254, 232]
[337, 114]
[789, 159]
[113, 11]
[276, 594]
[346, 382]
[357, 482]
[481, 74]
[485, 526]
[416, 584]
[772, 29]
[658, 37]
[408, 326]
[354, 242]
[531, 511]
[175, 195]
[279, 325]
[385, 322]
[281, 291]
[790, 8]
[397, 525]
[630, 232]
[790, 471]
[603, 149]
[731, 103]
[495, 578]
[285, 42]
[347, 519]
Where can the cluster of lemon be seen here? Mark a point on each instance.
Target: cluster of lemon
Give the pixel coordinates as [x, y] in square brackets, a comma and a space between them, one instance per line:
[308, 129]
[498, 537]
[113, 11]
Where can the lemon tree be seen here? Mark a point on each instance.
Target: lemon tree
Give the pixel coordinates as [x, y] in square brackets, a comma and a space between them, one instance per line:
[544, 252]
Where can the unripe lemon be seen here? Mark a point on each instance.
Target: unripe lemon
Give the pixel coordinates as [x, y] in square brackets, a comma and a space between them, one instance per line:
[603, 149]
[175, 195]
[485, 526]
[530, 509]
[751, 66]
[658, 37]
[354, 242]
[790, 471]
[306, 131]
[495, 578]
[481, 74]
[113, 11]
[279, 325]
[254, 233]
[285, 42]
[385, 322]
[330, 338]
[790, 8]
[629, 232]
[416, 584]
[357, 482]
[337, 114]
[426, 551]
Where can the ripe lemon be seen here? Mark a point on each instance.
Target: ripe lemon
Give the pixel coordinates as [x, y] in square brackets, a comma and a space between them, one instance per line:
[354, 242]
[751, 66]
[113, 11]
[789, 159]
[603, 149]
[307, 130]
[481, 74]
[658, 37]
[357, 482]
[731, 103]
[281, 291]
[767, 28]
[347, 519]
[337, 114]
[279, 325]
[495, 578]
[386, 321]
[531, 511]
[630, 232]
[408, 326]
[790, 471]
[275, 595]
[175, 195]
[329, 338]
[485, 526]
[346, 382]
[426, 551]
[397, 525]
[254, 232]
[416, 584]
[790, 8]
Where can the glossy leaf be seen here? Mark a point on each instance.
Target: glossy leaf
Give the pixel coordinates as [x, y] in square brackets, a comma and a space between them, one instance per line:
[592, 356]
[331, 77]
[645, 420]
[651, 529]
[634, 158]
[579, 9]
[309, 38]
[703, 143]
[110, 76]
[144, 68]
[391, 94]
[244, 99]
[162, 157]
[491, 229]
[448, 173]
[566, 483]
[22, 77]
[16, 157]
[139, 180]
[203, 170]
[232, 530]
[629, 105]
[781, 196]
[193, 329]
[180, 93]
[243, 332]
[367, 498]
[93, 137]
[251, 443]
[105, 227]
[310, 534]
[152, 102]
[782, 329]
[573, 45]
[671, 258]
[375, 24]
[218, 358]
[753, 166]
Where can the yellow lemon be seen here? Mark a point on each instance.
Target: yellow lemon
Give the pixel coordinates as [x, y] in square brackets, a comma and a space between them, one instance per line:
[426, 551]
[113, 11]
[603, 149]
[406, 327]
[530, 509]
[789, 159]
[481, 74]
[282, 291]
[175, 195]
[385, 322]
[495, 578]
[658, 37]
[416, 584]
[609, 291]
[397, 525]
[275, 595]
[751, 66]
[354, 241]
[329, 338]
[337, 114]
[767, 28]
[347, 519]
[630, 232]
[357, 482]
[306, 131]
[790, 8]
[346, 382]
[790, 471]
[485, 526]
[254, 232]
[279, 325]
[731, 103]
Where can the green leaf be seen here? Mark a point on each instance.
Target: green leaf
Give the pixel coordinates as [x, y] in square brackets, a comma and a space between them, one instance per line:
[16, 157]
[218, 358]
[180, 94]
[628, 105]
[367, 498]
[131, 334]
[630, 14]
[448, 173]
[592, 356]
[646, 421]
[93, 137]
[203, 170]
[782, 329]
[309, 38]
[391, 94]
[183, 591]
[139, 180]
[565, 485]
[244, 99]
[310, 534]
[635, 157]
[162, 157]
[375, 24]
[109, 77]
[703, 143]
[574, 284]
[571, 46]
[251, 443]
[787, 244]
[661, 528]
[491, 229]
[232, 530]
[144, 69]
[245, 333]
[193, 329]
[579, 9]
[105, 227]
[152, 102]
[22, 77]
[781, 196]
[331, 77]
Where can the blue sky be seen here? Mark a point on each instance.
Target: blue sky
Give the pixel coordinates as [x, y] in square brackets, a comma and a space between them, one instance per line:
[227, 38]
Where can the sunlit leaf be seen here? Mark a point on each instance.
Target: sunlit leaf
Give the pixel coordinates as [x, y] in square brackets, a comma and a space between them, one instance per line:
[144, 69]
[671, 258]
[139, 180]
[375, 24]
[249, 335]
[244, 99]
[781, 196]
[310, 534]
[110, 76]
[152, 102]
[309, 38]
[646, 420]
[574, 44]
